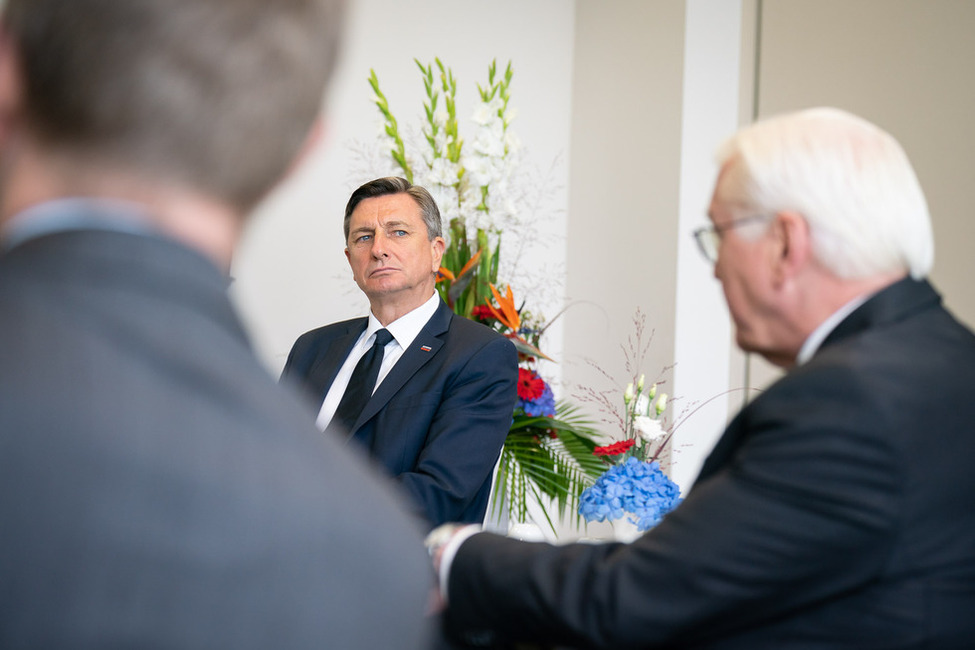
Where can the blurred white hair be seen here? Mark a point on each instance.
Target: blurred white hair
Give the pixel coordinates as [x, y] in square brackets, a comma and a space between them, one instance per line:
[850, 180]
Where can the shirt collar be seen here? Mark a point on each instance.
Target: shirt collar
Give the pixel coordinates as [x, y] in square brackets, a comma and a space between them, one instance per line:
[407, 327]
[814, 340]
[75, 213]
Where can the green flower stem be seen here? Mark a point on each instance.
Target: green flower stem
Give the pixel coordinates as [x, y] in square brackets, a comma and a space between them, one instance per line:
[430, 106]
[392, 129]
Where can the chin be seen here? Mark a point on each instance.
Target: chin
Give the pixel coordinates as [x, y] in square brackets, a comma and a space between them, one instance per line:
[743, 342]
[782, 359]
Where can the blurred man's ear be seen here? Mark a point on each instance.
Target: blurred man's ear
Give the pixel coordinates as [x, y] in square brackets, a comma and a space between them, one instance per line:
[11, 88]
[314, 139]
[793, 244]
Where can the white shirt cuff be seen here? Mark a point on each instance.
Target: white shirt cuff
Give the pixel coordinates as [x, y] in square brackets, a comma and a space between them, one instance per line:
[449, 551]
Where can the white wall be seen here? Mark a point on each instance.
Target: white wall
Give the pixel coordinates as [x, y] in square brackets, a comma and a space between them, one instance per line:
[624, 183]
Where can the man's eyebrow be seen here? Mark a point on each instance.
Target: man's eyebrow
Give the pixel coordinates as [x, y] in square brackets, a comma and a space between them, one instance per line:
[395, 224]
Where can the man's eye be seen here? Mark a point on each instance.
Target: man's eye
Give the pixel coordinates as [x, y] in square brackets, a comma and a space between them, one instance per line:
[363, 238]
[400, 233]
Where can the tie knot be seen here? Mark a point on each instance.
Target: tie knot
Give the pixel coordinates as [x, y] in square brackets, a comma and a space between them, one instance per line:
[382, 338]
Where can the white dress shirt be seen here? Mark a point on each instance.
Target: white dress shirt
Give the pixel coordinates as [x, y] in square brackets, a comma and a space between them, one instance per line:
[404, 329]
[75, 213]
[814, 340]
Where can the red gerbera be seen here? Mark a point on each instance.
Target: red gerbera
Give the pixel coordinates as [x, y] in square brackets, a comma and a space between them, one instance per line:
[530, 385]
[481, 312]
[614, 449]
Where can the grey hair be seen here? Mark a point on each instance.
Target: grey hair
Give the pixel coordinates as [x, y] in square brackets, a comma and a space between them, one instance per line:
[396, 185]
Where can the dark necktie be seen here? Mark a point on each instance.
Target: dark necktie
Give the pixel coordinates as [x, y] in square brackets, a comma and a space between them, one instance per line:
[361, 384]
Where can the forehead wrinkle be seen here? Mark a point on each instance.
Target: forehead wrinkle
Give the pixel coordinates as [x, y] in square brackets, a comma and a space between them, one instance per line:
[396, 221]
[362, 229]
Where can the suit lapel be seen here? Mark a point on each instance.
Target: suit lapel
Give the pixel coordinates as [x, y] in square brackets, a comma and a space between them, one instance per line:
[425, 347]
[326, 366]
[723, 450]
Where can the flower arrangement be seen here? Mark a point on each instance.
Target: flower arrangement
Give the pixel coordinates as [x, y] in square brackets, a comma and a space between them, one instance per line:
[634, 487]
[547, 454]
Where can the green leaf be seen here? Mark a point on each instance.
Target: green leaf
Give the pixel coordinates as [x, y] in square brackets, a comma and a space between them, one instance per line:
[536, 465]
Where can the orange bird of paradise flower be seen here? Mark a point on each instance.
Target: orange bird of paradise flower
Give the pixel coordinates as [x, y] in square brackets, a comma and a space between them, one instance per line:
[507, 314]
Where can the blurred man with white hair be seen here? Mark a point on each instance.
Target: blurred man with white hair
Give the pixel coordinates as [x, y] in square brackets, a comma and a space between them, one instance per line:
[835, 511]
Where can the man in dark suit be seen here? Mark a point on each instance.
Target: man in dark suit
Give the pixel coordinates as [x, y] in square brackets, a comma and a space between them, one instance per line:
[835, 512]
[158, 489]
[445, 391]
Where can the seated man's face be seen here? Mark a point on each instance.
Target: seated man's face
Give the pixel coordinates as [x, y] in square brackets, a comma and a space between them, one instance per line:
[391, 257]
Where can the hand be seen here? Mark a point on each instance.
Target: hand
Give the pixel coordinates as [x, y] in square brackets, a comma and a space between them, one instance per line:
[437, 539]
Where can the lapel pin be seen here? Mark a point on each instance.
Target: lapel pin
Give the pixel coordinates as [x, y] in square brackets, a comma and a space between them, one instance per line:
[425, 348]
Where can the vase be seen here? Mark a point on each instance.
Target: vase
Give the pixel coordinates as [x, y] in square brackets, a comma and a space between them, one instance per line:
[625, 530]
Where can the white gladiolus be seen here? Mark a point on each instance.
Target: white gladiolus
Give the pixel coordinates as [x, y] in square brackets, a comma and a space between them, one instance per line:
[479, 220]
[440, 116]
[482, 170]
[442, 172]
[512, 142]
[647, 428]
[489, 142]
[487, 112]
[504, 207]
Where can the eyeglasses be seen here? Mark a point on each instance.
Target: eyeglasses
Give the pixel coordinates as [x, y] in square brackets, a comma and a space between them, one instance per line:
[709, 237]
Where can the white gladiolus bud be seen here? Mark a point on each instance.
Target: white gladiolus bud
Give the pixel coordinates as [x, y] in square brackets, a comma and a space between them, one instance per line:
[661, 403]
[628, 394]
[639, 383]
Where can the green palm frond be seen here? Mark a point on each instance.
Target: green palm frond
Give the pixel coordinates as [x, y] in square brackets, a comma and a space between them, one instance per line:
[546, 459]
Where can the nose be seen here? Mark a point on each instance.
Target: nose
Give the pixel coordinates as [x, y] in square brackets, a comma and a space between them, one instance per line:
[379, 246]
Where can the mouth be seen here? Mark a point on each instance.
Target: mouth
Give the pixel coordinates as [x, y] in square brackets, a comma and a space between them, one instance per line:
[384, 270]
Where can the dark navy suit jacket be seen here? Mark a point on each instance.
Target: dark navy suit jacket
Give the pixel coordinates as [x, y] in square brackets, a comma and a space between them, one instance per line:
[438, 420]
[835, 512]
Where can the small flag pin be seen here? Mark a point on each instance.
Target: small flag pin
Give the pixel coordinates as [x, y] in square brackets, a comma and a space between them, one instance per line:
[425, 348]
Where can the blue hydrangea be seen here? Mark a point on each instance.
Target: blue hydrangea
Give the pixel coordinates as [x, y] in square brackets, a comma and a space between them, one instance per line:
[635, 487]
[544, 404]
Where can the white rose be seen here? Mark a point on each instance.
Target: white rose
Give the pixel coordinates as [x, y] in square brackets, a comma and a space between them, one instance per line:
[648, 428]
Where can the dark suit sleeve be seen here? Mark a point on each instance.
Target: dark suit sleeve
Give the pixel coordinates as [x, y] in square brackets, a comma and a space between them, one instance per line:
[798, 515]
[299, 359]
[466, 435]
